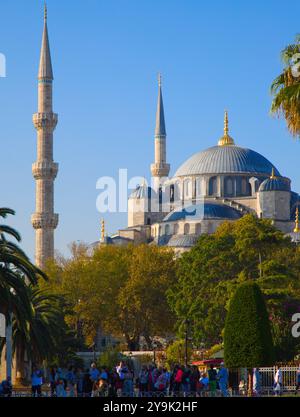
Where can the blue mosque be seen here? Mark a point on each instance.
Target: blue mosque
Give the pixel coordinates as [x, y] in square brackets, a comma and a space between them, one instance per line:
[221, 183]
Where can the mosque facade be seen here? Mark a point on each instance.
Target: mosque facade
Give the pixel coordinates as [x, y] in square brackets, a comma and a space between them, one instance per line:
[222, 183]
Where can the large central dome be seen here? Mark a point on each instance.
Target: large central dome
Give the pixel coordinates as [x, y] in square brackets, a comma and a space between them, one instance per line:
[226, 160]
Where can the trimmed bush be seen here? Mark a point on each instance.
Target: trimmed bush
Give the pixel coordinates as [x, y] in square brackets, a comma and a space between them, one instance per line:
[247, 335]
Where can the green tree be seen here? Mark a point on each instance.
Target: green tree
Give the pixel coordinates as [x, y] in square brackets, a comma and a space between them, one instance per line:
[286, 88]
[247, 335]
[241, 251]
[175, 353]
[15, 270]
[121, 290]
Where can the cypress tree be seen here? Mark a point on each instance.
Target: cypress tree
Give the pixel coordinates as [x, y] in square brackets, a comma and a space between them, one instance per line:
[247, 336]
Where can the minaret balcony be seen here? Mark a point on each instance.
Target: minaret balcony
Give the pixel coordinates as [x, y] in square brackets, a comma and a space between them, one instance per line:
[44, 220]
[160, 170]
[45, 120]
[44, 170]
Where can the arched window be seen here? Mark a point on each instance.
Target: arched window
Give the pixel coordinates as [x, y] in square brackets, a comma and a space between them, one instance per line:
[198, 229]
[210, 228]
[167, 229]
[177, 192]
[176, 229]
[186, 229]
[244, 186]
[199, 187]
[187, 189]
[228, 186]
[172, 195]
[213, 186]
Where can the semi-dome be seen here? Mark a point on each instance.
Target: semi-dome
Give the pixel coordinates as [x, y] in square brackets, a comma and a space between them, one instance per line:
[229, 159]
[206, 210]
[275, 184]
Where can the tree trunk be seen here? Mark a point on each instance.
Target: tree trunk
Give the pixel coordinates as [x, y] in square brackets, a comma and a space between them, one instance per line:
[250, 382]
[149, 342]
[20, 367]
[8, 336]
[132, 343]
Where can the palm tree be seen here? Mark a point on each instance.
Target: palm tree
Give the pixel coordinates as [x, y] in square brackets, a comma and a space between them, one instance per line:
[286, 88]
[16, 271]
[39, 337]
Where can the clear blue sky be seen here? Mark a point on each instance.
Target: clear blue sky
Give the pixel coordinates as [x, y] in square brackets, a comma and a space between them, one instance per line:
[106, 55]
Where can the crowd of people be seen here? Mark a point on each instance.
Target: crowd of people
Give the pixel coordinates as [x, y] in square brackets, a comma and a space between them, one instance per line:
[151, 380]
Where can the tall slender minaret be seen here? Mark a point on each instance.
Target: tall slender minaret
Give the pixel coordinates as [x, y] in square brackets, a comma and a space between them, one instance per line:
[160, 168]
[44, 170]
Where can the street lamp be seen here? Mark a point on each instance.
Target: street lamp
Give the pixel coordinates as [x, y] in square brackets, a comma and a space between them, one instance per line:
[154, 344]
[186, 340]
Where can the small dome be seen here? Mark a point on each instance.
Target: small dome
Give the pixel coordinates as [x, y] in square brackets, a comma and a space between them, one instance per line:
[202, 211]
[141, 191]
[183, 241]
[275, 184]
[226, 160]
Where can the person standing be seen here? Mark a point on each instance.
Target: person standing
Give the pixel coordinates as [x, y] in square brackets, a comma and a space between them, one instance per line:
[70, 378]
[256, 382]
[95, 376]
[36, 381]
[223, 380]
[194, 379]
[161, 382]
[87, 384]
[128, 388]
[178, 381]
[52, 381]
[204, 381]
[212, 380]
[186, 381]
[278, 381]
[6, 387]
[60, 383]
[297, 379]
[143, 381]
[79, 382]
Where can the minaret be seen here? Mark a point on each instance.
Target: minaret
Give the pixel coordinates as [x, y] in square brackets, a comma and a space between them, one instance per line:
[44, 170]
[160, 168]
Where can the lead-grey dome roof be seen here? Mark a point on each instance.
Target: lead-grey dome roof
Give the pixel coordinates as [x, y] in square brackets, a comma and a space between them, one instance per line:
[206, 210]
[226, 160]
[275, 184]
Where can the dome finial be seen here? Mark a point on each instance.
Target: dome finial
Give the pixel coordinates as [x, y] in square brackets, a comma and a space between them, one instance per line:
[45, 11]
[159, 79]
[273, 176]
[226, 139]
[226, 123]
[297, 228]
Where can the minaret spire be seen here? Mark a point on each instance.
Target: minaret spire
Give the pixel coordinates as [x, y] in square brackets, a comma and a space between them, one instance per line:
[45, 11]
[160, 168]
[44, 170]
[45, 67]
[160, 128]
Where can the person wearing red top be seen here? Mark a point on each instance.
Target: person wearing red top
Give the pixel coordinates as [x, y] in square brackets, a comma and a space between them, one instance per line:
[178, 380]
